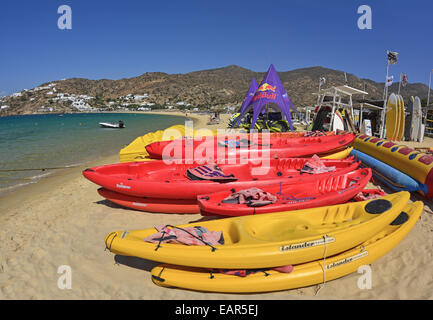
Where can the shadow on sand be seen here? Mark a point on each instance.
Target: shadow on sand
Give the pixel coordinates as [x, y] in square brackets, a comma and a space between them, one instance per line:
[135, 262]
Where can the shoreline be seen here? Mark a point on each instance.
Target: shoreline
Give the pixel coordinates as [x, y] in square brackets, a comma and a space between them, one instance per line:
[51, 179]
[14, 195]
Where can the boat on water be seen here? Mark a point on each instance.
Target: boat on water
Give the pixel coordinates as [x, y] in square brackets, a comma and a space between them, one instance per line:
[113, 125]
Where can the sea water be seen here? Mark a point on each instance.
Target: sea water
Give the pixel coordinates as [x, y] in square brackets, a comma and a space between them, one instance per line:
[58, 140]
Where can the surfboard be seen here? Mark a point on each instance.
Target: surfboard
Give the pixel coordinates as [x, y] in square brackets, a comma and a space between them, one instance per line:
[350, 122]
[417, 118]
[421, 135]
[401, 118]
[421, 129]
[408, 120]
[320, 118]
[392, 117]
[338, 121]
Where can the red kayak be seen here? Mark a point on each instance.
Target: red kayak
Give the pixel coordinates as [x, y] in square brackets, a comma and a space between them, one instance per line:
[325, 191]
[151, 204]
[157, 179]
[219, 148]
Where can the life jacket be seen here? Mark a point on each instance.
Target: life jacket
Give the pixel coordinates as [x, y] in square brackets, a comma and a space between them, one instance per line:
[210, 172]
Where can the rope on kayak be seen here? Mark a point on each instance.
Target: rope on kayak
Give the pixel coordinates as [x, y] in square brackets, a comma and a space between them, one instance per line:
[37, 169]
[192, 235]
[325, 237]
[160, 240]
[109, 247]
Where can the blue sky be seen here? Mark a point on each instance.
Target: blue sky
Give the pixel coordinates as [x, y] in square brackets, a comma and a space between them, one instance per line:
[118, 39]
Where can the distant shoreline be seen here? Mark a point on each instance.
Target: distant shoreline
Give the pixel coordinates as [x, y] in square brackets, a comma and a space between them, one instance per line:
[45, 179]
[157, 111]
[12, 196]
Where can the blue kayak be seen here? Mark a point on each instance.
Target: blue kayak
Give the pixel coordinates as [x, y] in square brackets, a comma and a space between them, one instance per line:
[391, 177]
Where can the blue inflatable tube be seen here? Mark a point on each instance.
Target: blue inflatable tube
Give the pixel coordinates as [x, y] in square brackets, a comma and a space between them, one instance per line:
[391, 177]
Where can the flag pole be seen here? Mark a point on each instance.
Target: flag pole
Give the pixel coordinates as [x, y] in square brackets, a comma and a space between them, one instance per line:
[399, 84]
[385, 91]
[429, 85]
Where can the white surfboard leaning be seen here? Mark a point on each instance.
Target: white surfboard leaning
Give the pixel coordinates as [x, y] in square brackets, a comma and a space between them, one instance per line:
[421, 128]
[417, 119]
[338, 121]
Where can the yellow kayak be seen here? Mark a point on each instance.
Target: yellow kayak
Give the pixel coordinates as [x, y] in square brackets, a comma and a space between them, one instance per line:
[339, 155]
[303, 275]
[269, 240]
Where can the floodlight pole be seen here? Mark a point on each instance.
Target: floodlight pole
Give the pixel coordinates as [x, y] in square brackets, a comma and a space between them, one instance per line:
[385, 98]
[399, 84]
[429, 85]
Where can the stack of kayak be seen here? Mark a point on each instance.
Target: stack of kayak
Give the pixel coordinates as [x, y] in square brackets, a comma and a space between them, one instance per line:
[156, 186]
[277, 251]
[136, 150]
[279, 223]
[220, 147]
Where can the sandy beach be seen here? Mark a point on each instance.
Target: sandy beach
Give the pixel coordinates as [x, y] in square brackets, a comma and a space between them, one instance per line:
[62, 220]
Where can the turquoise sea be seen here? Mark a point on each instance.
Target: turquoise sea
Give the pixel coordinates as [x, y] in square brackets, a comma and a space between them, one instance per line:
[53, 140]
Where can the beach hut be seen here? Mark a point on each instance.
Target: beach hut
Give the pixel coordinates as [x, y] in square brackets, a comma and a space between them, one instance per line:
[269, 96]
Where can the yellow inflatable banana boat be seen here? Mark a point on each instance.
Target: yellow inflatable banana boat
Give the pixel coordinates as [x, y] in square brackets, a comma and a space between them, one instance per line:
[270, 240]
[416, 164]
[303, 275]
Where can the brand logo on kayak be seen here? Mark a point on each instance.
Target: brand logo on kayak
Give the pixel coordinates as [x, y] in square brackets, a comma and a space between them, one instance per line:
[139, 204]
[307, 244]
[347, 260]
[292, 199]
[121, 186]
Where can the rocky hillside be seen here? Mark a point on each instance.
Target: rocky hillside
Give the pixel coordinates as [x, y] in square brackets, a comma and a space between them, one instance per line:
[201, 89]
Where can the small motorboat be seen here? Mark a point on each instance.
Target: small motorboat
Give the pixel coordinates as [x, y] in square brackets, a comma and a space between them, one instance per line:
[114, 125]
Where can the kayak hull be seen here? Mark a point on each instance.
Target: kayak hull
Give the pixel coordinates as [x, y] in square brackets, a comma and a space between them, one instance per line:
[157, 179]
[220, 148]
[303, 275]
[322, 192]
[155, 205]
[271, 240]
